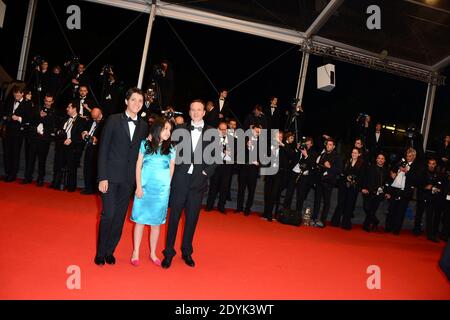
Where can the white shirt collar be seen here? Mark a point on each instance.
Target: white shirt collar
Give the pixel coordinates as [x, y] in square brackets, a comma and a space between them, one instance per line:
[135, 118]
[199, 124]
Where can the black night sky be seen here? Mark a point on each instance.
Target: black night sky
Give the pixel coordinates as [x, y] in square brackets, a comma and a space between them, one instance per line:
[228, 58]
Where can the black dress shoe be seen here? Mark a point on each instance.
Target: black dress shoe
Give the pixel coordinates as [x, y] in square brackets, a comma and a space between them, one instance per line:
[166, 262]
[208, 209]
[40, 182]
[110, 259]
[25, 181]
[237, 210]
[9, 179]
[246, 212]
[222, 210]
[189, 261]
[99, 260]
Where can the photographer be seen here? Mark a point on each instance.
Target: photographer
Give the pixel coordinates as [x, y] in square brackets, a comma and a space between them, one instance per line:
[42, 129]
[163, 76]
[16, 121]
[373, 183]
[257, 117]
[91, 137]
[362, 126]
[39, 79]
[433, 187]
[68, 149]
[414, 139]
[349, 186]
[300, 177]
[212, 115]
[328, 168]
[84, 104]
[220, 180]
[79, 76]
[405, 177]
[112, 92]
[295, 119]
[274, 183]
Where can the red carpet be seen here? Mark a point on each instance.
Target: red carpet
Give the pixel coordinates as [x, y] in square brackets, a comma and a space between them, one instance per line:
[43, 231]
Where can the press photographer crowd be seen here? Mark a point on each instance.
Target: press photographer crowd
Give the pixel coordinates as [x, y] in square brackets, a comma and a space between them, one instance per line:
[59, 106]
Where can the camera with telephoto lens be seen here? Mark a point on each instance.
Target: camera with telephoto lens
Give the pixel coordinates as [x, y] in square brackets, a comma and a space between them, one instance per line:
[37, 61]
[303, 145]
[45, 109]
[382, 189]
[106, 70]
[72, 64]
[361, 120]
[89, 139]
[436, 187]
[61, 135]
[403, 163]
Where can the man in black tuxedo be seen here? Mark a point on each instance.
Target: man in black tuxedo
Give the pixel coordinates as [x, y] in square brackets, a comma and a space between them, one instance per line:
[80, 78]
[119, 147]
[16, 117]
[84, 103]
[375, 140]
[249, 171]
[220, 181]
[257, 117]
[91, 137]
[189, 182]
[373, 188]
[273, 114]
[41, 134]
[68, 149]
[223, 105]
[212, 115]
[406, 177]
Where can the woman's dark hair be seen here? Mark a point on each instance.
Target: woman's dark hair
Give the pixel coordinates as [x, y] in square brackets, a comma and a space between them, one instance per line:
[151, 147]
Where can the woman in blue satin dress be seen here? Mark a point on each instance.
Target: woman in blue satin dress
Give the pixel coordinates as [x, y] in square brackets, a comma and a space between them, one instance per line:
[154, 170]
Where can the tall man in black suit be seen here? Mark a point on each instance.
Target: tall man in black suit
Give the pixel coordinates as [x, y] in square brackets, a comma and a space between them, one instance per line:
[189, 182]
[375, 141]
[273, 114]
[223, 105]
[41, 134]
[220, 181]
[16, 115]
[68, 149]
[91, 136]
[119, 147]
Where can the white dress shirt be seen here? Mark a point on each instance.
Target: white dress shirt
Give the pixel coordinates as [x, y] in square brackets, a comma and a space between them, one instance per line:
[195, 137]
[131, 126]
[221, 103]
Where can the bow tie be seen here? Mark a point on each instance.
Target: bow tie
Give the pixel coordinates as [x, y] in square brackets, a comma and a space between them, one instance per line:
[222, 99]
[16, 101]
[134, 121]
[197, 128]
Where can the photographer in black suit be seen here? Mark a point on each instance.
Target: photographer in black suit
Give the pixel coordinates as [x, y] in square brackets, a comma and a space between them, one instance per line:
[273, 114]
[406, 176]
[249, 171]
[68, 149]
[220, 180]
[119, 147]
[328, 168]
[41, 134]
[91, 137]
[16, 121]
[433, 184]
[84, 103]
[301, 178]
[273, 183]
[373, 189]
[189, 182]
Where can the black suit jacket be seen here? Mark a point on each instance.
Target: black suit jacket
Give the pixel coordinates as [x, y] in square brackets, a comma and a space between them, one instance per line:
[226, 110]
[273, 120]
[24, 110]
[118, 154]
[374, 177]
[212, 117]
[182, 181]
[372, 143]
